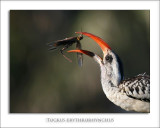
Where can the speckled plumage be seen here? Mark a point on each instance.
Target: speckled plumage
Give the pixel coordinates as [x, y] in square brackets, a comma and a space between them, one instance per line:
[137, 87]
[126, 96]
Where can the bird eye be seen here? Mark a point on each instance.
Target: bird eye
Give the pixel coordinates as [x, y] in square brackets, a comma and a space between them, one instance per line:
[109, 58]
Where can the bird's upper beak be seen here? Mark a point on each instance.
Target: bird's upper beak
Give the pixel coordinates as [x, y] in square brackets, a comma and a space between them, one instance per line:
[103, 45]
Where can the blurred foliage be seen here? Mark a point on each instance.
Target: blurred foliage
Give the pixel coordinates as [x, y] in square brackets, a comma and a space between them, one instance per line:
[45, 82]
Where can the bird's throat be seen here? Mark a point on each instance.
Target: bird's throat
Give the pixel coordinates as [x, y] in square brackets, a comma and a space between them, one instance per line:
[109, 79]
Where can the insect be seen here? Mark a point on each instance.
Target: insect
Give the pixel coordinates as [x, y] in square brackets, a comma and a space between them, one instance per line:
[67, 42]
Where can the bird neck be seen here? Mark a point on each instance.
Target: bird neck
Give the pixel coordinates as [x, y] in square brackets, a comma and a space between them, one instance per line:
[110, 78]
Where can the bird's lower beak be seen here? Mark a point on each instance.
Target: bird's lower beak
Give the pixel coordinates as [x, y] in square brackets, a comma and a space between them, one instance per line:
[103, 45]
[91, 54]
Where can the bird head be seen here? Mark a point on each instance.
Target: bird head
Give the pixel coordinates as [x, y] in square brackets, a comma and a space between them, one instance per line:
[111, 68]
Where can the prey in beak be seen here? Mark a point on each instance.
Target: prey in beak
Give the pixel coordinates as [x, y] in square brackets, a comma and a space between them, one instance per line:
[103, 45]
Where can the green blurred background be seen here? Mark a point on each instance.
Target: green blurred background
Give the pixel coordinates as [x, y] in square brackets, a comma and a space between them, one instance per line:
[45, 82]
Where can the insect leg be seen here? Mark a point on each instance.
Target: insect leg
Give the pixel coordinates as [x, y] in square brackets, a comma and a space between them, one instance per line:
[65, 47]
